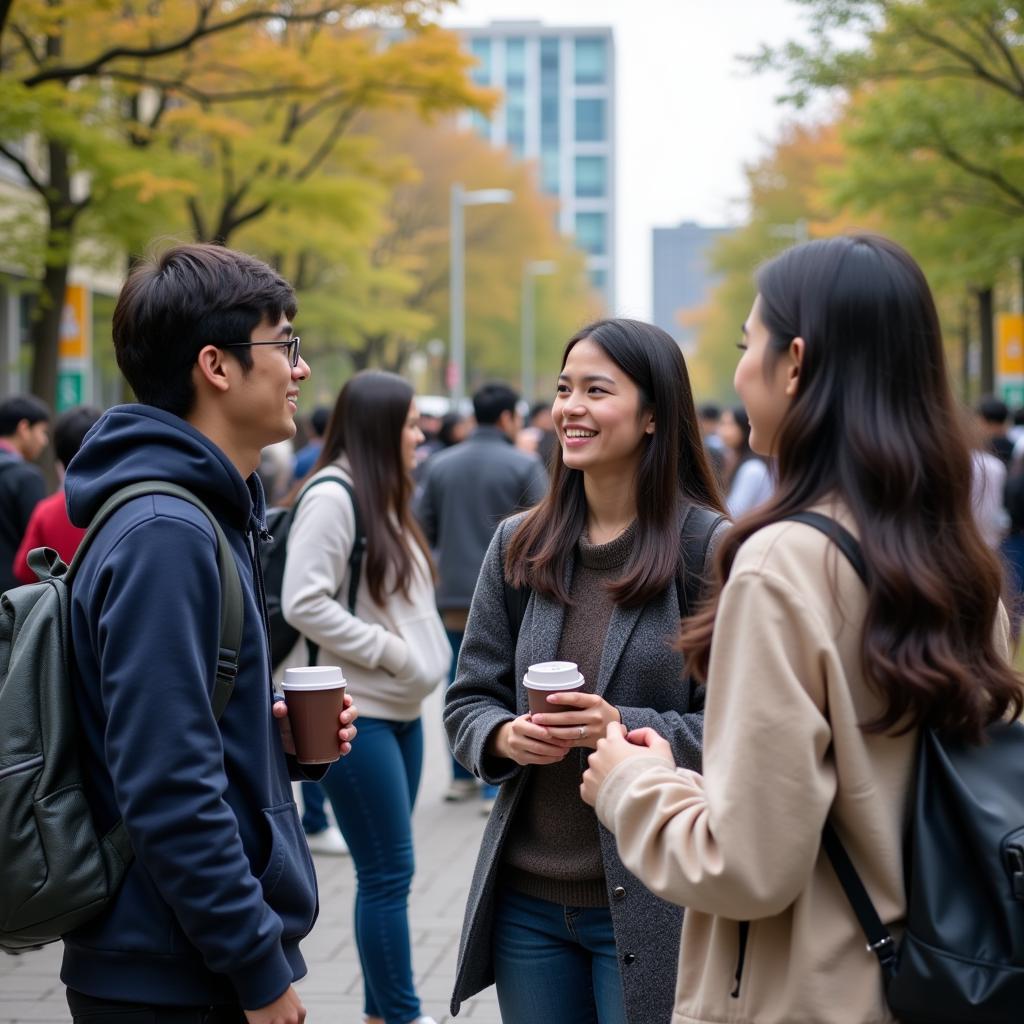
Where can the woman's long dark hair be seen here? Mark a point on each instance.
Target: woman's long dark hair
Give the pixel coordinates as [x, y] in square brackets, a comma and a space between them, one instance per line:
[366, 426]
[673, 470]
[874, 423]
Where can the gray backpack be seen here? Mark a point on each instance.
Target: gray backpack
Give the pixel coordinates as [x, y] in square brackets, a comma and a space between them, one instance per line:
[57, 872]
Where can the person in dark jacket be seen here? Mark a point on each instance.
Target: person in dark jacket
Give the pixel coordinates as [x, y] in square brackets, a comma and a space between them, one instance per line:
[208, 922]
[468, 489]
[24, 434]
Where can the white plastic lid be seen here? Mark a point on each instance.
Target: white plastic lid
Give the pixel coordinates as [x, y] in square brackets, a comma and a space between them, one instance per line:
[313, 677]
[553, 675]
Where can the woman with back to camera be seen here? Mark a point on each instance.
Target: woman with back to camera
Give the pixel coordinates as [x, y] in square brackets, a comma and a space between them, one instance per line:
[748, 481]
[817, 687]
[392, 650]
[553, 917]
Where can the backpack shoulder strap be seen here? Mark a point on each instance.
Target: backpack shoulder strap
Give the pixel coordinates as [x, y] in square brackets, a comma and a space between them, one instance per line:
[880, 941]
[355, 558]
[696, 539]
[231, 605]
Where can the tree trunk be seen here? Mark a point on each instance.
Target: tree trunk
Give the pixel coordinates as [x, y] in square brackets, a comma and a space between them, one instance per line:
[965, 351]
[986, 334]
[44, 332]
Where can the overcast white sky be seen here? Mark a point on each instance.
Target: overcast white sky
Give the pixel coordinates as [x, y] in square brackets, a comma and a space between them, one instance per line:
[689, 114]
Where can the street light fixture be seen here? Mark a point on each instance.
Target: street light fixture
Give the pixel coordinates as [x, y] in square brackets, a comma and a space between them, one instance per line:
[460, 199]
[532, 269]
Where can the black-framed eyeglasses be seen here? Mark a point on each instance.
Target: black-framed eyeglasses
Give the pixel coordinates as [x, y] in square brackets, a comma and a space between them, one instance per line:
[291, 344]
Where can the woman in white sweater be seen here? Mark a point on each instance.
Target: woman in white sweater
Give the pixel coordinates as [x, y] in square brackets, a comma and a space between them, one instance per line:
[392, 648]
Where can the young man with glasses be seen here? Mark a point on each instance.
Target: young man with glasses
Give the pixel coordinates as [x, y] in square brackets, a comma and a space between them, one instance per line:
[207, 924]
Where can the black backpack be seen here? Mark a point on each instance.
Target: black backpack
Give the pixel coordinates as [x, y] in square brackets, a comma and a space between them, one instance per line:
[961, 958]
[57, 872]
[274, 554]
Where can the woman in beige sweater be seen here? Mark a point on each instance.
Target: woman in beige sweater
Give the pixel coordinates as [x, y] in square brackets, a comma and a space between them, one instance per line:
[816, 685]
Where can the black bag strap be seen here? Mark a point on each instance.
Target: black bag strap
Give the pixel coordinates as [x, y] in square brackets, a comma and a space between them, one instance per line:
[232, 609]
[696, 536]
[880, 941]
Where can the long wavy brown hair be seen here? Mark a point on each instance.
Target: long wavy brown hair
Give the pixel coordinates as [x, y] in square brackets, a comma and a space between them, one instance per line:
[673, 470]
[873, 422]
[366, 426]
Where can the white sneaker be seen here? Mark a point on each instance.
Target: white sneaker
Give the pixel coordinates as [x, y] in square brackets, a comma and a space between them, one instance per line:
[329, 842]
[459, 791]
[423, 1020]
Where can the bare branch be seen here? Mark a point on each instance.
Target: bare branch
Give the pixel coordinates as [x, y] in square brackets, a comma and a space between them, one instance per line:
[329, 141]
[945, 149]
[202, 30]
[5, 11]
[180, 85]
[198, 223]
[26, 43]
[37, 185]
[968, 59]
[1008, 54]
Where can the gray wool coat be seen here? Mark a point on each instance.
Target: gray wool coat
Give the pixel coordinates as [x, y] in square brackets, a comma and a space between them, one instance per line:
[642, 676]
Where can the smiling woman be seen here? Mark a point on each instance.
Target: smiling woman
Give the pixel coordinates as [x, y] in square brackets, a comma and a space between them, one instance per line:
[595, 568]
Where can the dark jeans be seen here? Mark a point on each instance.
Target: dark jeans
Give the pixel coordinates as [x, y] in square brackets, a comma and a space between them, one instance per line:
[372, 792]
[90, 1010]
[458, 772]
[314, 817]
[555, 964]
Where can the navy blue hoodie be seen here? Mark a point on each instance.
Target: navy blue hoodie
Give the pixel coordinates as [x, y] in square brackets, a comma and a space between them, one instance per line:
[222, 886]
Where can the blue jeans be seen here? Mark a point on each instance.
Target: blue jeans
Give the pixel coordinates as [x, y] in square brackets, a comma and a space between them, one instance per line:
[314, 817]
[372, 792]
[555, 964]
[458, 772]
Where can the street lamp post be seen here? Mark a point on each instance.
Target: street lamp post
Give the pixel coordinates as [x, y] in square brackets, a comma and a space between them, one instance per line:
[532, 269]
[460, 199]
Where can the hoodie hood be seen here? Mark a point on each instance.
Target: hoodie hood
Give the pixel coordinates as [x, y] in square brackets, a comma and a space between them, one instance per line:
[132, 443]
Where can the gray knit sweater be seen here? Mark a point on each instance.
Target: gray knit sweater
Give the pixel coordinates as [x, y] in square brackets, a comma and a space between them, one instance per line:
[554, 851]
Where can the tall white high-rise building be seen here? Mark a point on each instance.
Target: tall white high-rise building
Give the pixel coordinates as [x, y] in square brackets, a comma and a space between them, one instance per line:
[559, 111]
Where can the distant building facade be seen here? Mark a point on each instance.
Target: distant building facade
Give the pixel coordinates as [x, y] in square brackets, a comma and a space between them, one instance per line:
[682, 276]
[559, 111]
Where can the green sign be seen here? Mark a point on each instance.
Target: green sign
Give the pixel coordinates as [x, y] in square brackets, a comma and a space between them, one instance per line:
[70, 389]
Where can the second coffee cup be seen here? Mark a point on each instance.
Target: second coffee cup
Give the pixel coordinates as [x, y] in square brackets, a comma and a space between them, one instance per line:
[315, 697]
[549, 677]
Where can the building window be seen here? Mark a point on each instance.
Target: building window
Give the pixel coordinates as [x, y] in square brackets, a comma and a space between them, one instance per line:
[591, 64]
[590, 121]
[550, 135]
[481, 124]
[481, 49]
[598, 279]
[591, 232]
[515, 95]
[591, 177]
[550, 170]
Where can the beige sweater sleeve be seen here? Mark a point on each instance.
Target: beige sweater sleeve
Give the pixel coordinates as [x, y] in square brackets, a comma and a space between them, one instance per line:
[316, 570]
[741, 840]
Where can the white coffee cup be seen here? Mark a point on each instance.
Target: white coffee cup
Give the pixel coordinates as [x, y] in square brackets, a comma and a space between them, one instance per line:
[315, 696]
[548, 677]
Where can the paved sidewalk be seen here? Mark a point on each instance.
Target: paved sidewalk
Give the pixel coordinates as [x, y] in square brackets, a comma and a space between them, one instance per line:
[447, 839]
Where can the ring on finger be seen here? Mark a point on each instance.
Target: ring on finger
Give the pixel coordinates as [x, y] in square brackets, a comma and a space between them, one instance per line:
[583, 732]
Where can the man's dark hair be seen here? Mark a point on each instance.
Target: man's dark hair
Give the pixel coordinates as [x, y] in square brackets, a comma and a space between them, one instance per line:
[537, 408]
[70, 429]
[319, 419]
[191, 296]
[491, 401]
[992, 409]
[21, 407]
[709, 411]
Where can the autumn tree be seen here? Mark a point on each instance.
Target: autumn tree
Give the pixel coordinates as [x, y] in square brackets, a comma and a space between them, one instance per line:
[935, 118]
[132, 108]
[385, 301]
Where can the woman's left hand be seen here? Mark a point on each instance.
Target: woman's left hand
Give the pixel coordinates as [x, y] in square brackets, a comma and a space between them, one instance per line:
[618, 746]
[583, 724]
